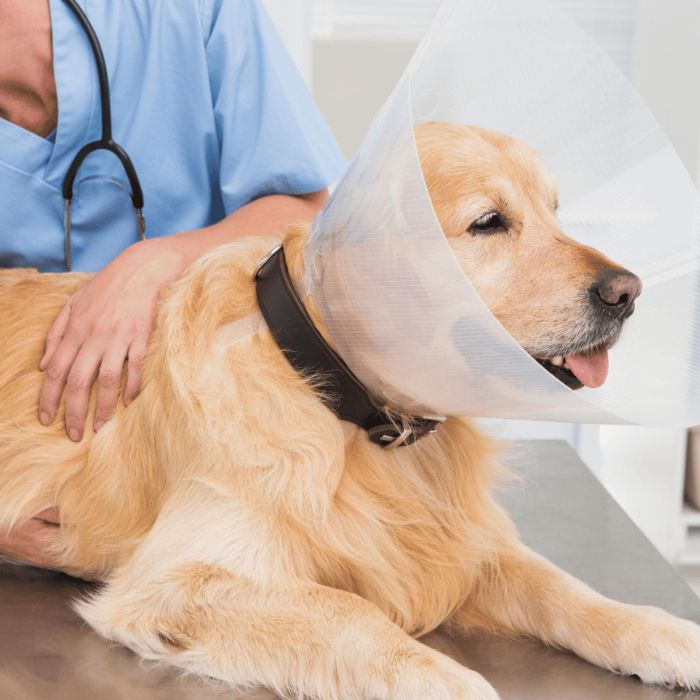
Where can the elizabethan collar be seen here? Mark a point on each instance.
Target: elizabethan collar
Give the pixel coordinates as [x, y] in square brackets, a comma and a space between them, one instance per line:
[391, 295]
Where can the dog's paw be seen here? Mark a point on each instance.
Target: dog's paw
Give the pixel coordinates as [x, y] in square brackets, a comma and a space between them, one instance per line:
[658, 648]
[426, 674]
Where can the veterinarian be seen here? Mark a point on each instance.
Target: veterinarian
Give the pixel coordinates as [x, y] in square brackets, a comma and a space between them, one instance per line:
[225, 138]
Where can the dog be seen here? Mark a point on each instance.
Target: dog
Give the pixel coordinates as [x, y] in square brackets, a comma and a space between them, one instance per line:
[243, 532]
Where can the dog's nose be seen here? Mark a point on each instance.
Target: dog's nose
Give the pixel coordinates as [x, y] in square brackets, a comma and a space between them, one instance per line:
[616, 290]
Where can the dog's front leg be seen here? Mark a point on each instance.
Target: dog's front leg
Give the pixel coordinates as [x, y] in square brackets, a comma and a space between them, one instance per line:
[522, 593]
[303, 640]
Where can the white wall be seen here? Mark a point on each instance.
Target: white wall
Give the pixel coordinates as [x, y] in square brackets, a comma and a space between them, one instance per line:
[656, 43]
[666, 71]
[352, 78]
[293, 20]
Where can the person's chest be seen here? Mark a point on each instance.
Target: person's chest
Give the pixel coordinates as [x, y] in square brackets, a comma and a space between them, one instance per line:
[27, 86]
[161, 115]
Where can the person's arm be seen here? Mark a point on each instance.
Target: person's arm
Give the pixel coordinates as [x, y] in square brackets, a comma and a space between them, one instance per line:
[104, 327]
[34, 541]
[263, 216]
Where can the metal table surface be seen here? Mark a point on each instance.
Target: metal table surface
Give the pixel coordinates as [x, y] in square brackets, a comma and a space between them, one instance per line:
[562, 512]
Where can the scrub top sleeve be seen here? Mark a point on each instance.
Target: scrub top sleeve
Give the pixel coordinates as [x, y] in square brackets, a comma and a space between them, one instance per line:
[272, 137]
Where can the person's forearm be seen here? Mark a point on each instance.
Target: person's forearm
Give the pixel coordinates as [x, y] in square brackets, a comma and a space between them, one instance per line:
[264, 216]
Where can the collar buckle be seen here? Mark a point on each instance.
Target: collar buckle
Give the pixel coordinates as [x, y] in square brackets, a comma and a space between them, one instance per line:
[391, 435]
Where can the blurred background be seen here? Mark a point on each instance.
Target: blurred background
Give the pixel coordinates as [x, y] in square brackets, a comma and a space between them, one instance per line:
[352, 52]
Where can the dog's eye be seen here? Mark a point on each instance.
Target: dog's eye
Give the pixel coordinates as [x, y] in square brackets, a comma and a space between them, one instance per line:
[490, 222]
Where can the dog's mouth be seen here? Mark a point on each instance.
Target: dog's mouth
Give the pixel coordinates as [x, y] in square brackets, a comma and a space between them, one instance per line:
[578, 369]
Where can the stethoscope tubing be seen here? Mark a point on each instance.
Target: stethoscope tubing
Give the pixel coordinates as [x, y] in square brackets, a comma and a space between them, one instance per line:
[105, 142]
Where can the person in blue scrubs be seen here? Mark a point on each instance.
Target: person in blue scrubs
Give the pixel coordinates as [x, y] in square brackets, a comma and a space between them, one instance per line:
[224, 135]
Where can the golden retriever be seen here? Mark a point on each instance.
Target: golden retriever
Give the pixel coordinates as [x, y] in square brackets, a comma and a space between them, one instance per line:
[242, 531]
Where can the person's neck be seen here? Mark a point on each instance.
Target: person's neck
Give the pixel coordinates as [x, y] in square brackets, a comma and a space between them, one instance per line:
[27, 86]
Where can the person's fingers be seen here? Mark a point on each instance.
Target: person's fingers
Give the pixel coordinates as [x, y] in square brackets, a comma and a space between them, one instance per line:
[55, 376]
[34, 542]
[137, 354]
[108, 381]
[78, 385]
[56, 333]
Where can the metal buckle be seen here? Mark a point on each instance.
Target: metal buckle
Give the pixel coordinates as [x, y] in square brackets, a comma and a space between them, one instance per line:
[261, 264]
[434, 419]
[400, 439]
[408, 431]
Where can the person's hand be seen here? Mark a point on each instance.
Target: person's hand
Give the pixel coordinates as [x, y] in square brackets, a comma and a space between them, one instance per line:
[108, 321]
[103, 326]
[33, 541]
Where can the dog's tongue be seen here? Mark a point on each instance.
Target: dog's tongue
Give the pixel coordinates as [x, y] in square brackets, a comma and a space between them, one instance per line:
[590, 368]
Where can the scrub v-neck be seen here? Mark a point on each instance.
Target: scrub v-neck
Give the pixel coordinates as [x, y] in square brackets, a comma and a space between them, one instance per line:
[41, 157]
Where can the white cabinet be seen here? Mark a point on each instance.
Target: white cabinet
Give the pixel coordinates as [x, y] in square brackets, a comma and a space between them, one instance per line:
[644, 470]
[293, 20]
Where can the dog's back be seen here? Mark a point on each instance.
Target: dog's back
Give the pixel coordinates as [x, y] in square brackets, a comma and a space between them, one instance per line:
[249, 413]
[29, 302]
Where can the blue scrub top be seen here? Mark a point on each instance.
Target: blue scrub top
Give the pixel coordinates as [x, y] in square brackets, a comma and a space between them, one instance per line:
[205, 100]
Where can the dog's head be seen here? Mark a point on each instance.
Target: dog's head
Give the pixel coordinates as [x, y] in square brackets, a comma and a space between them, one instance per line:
[564, 302]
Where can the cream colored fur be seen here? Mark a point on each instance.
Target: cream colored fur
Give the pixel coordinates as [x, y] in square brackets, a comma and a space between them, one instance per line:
[243, 532]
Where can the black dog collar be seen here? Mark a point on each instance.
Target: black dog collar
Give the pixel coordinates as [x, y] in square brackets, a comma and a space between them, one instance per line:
[307, 351]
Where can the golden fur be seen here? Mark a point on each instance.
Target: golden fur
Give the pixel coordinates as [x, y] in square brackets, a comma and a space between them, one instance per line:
[244, 532]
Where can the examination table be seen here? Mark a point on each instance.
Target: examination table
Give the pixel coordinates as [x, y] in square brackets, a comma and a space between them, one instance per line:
[562, 512]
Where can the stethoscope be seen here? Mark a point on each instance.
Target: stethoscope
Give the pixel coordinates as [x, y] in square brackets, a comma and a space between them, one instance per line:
[105, 142]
